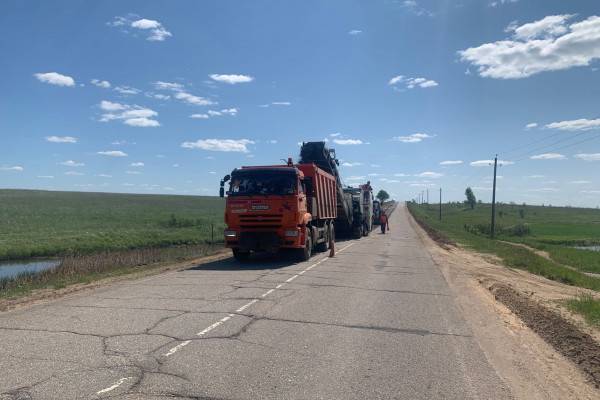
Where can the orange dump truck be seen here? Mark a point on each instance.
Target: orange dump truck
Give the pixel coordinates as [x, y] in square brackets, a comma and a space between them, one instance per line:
[290, 206]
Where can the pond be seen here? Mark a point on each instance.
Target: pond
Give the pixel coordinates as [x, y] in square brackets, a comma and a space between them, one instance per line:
[9, 269]
[592, 248]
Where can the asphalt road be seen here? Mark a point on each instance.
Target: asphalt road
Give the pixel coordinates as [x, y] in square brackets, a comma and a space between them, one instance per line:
[377, 321]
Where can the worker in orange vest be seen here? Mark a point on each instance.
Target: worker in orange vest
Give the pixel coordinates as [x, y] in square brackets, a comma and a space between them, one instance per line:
[383, 221]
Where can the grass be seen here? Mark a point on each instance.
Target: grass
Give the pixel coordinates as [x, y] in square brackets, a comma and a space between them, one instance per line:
[89, 268]
[47, 224]
[588, 307]
[559, 226]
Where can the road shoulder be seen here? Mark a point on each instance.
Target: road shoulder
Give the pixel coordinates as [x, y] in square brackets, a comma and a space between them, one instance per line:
[528, 365]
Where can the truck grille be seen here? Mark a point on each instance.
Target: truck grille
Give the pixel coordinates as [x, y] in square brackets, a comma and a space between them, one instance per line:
[261, 221]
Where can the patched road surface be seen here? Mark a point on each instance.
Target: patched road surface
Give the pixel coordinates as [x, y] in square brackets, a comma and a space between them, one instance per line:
[378, 321]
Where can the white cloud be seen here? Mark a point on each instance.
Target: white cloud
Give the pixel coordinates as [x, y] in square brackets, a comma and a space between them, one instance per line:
[110, 106]
[158, 96]
[113, 153]
[576, 124]
[136, 164]
[535, 176]
[74, 173]
[16, 168]
[226, 111]
[411, 83]
[71, 163]
[130, 115]
[281, 103]
[451, 162]
[231, 79]
[497, 3]
[355, 32]
[548, 27]
[227, 145]
[429, 174]
[337, 134]
[549, 44]
[127, 90]
[142, 122]
[54, 78]
[548, 156]
[61, 139]
[414, 138]
[590, 191]
[104, 176]
[351, 164]
[580, 182]
[99, 83]
[133, 172]
[588, 156]
[487, 163]
[346, 142]
[194, 100]
[45, 176]
[531, 125]
[200, 116]
[401, 175]
[356, 178]
[176, 87]
[158, 33]
[414, 8]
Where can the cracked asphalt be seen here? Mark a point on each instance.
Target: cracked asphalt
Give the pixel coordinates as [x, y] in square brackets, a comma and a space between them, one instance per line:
[377, 321]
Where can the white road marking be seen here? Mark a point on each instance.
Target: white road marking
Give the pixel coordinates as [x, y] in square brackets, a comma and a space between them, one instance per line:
[242, 308]
[116, 385]
[177, 348]
[222, 320]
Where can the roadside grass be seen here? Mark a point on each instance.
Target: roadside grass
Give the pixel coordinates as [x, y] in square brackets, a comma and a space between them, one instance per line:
[454, 219]
[588, 307]
[89, 268]
[48, 224]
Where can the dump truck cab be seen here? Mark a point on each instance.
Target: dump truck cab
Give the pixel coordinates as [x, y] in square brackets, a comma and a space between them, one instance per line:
[269, 208]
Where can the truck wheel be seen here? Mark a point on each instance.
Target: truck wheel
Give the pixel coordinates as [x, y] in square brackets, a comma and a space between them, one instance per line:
[366, 230]
[305, 253]
[357, 232]
[240, 255]
[324, 246]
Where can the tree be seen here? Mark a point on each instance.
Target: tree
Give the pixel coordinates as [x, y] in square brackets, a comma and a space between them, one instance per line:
[471, 200]
[382, 195]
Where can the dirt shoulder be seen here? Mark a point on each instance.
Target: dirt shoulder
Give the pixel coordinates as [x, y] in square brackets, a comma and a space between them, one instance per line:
[531, 367]
[45, 295]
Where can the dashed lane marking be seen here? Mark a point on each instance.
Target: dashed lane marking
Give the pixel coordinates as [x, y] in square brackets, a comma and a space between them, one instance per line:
[177, 348]
[244, 307]
[116, 385]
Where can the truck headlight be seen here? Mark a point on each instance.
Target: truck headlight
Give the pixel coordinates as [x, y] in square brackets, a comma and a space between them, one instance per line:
[293, 233]
[230, 234]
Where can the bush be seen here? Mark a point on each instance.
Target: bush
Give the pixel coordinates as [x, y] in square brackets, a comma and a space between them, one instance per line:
[517, 230]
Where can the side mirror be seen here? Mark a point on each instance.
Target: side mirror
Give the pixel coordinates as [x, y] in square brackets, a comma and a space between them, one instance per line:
[221, 191]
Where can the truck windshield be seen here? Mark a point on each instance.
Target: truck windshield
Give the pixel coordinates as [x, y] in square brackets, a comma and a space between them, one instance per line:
[263, 183]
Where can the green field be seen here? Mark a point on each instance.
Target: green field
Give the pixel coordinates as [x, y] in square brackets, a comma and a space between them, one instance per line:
[42, 223]
[555, 230]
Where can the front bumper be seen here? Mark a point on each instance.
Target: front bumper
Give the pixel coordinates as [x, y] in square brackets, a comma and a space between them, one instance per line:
[269, 241]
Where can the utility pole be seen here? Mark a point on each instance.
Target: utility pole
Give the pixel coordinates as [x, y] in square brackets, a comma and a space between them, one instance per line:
[493, 227]
[440, 204]
[427, 196]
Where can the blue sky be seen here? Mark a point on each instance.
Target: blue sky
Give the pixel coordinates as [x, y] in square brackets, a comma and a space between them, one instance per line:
[167, 97]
